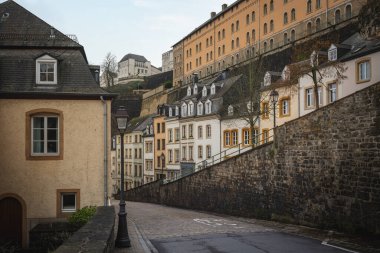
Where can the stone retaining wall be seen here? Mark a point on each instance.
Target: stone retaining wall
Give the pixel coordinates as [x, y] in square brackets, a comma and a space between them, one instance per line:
[96, 236]
[322, 170]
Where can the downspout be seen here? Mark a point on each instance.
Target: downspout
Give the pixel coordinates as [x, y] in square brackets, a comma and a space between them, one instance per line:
[105, 158]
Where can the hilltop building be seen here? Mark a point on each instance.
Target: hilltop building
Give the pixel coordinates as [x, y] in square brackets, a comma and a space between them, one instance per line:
[167, 61]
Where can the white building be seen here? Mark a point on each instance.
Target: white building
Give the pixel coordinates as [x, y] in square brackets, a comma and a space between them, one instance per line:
[135, 66]
[167, 61]
[148, 153]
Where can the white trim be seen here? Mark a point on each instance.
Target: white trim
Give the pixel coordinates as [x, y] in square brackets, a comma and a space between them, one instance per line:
[45, 59]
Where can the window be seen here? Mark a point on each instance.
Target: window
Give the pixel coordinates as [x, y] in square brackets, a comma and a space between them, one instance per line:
[265, 9]
[265, 135]
[248, 38]
[318, 4]
[158, 145]
[163, 146]
[337, 16]
[208, 107]
[265, 28]
[285, 38]
[190, 153]
[230, 110]
[293, 35]
[184, 132]
[271, 44]
[265, 110]
[223, 33]
[253, 16]
[200, 132]
[247, 19]
[246, 133]
[68, 201]
[170, 135]
[227, 138]
[318, 24]
[285, 18]
[190, 130]
[219, 37]
[320, 96]
[237, 25]
[200, 108]
[212, 89]
[208, 151]
[309, 97]
[332, 92]
[234, 137]
[200, 152]
[255, 136]
[176, 155]
[46, 70]
[348, 11]
[162, 127]
[271, 25]
[308, 8]
[184, 110]
[232, 28]
[191, 108]
[332, 53]
[44, 130]
[176, 132]
[253, 34]
[158, 127]
[284, 107]
[308, 28]
[184, 153]
[237, 42]
[208, 131]
[363, 72]
[293, 15]
[265, 46]
[271, 5]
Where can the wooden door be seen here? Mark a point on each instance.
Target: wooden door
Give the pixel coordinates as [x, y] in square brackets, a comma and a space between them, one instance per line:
[10, 221]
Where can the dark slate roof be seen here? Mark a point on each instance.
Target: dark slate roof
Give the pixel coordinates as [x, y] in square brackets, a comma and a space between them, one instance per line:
[24, 38]
[22, 28]
[136, 57]
[360, 47]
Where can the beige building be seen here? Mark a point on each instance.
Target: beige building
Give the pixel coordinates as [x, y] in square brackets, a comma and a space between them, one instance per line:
[167, 61]
[54, 126]
[248, 27]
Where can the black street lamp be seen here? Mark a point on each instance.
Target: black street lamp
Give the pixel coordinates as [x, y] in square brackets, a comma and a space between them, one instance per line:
[274, 98]
[162, 165]
[122, 238]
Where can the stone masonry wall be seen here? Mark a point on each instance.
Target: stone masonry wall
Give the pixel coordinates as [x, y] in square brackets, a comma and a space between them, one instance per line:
[322, 170]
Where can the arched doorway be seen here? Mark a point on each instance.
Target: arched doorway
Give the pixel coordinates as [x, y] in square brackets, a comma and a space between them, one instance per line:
[12, 213]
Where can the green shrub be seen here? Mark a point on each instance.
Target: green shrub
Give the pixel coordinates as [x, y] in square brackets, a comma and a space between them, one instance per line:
[82, 216]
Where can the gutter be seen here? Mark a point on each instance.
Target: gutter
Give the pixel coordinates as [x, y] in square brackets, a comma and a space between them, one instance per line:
[105, 158]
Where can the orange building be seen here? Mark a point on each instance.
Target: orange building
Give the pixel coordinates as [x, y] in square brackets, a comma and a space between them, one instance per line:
[248, 27]
[159, 147]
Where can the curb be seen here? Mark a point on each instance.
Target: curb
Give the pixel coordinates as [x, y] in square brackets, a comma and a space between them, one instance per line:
[144, 241]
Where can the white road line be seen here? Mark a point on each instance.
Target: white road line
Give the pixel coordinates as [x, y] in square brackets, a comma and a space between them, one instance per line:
[333, 246]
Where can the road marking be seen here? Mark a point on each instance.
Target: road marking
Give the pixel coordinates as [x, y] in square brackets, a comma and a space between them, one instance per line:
[215, 222]
[337, 247]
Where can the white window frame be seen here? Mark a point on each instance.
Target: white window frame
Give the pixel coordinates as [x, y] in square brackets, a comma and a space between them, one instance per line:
[333, 53]
[45, 129]
[189, 91]
[333, 92]
[200, 108]
[208, 131]
[46, 59]
[204, 91]
[285, 107]
[69, 210]
[367, 71]
[212, 89]
[309, 97]
[208, 107]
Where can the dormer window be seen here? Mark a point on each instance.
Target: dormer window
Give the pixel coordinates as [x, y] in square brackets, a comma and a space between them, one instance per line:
[191, 108]
[204, 91]
[200, 108]
[213, 89]
[285, 75]
[46, 70]
[333, 53]
[189, 91]
[151, 129]
[267, 79]
[170, 112]
[230, 110]
[195, 89]
[184, 110]
[176, 111]
[208, 107]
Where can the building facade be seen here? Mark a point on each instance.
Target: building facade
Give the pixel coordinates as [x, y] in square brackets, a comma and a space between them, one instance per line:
[248, 27]
[167, 61]
[135, 66]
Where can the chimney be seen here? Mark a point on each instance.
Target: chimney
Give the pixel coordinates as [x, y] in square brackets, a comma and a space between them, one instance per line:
[224, 6]
[213, 14]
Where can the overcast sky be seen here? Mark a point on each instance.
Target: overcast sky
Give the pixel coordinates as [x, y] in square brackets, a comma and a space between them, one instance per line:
[145, 27]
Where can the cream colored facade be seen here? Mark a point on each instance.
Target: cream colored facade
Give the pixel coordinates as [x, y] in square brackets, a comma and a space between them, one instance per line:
[159, 125]
[243, 29]
[35, 183]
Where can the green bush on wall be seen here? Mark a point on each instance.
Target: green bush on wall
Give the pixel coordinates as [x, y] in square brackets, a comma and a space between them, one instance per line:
[82, 216]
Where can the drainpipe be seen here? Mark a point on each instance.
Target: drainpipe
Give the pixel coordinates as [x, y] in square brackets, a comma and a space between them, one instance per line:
[105, 158]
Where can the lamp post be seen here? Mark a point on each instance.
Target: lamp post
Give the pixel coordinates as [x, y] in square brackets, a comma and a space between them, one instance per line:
[162, 165]
[122, 238]
[274, 98]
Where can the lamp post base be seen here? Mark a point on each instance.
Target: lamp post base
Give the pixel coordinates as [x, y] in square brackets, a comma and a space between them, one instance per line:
[122, 238]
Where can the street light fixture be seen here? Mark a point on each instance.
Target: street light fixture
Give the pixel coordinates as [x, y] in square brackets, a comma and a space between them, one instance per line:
[162, 165]
[274, 98]
[122, 238]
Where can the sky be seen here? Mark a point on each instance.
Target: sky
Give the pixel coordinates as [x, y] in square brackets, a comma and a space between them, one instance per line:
[144, 27]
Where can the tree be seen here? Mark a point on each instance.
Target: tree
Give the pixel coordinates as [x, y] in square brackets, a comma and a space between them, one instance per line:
[109, 69]
[310, 59]
[369, 18]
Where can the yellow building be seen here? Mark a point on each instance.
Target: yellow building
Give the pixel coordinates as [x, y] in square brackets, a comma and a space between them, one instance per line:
[159, 146]
[248, 27]
[55, 123]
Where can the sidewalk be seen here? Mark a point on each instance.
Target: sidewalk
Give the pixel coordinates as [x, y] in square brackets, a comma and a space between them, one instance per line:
[138, 242]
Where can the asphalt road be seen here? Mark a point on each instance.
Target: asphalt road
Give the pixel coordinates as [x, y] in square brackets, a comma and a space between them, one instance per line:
[173, 230]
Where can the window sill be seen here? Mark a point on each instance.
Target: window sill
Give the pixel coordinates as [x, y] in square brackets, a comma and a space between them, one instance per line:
[363, 81]
[44, 157]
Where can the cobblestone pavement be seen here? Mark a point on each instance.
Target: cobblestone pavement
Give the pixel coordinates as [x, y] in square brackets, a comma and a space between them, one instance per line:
[156, 228]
